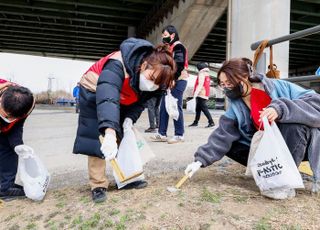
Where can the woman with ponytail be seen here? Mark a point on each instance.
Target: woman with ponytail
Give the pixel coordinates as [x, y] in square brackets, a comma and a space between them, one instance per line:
[112, 96]
[251, 97]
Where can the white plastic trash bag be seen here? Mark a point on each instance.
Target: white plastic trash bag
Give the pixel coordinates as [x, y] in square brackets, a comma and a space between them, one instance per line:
[33, 174]
[273, 166]
[191, 105]
[255, 141]
[171, 104]
[145, 151]
[128, 158]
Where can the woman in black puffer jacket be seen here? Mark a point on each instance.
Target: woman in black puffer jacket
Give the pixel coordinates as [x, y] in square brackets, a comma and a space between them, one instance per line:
[112, 94]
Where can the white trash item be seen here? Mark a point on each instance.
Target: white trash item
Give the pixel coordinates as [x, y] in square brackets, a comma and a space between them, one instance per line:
[33, 174]
[191, 105]
[171, 104]
[272, 166]
[128, 158]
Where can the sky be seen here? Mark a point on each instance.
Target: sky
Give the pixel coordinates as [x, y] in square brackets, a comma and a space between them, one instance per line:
[33, 71]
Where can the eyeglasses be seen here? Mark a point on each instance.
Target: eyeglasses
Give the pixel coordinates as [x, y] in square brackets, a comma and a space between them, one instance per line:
[226, 85]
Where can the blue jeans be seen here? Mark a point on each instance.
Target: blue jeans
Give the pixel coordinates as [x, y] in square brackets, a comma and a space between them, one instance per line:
[177, 92]
[8, 164]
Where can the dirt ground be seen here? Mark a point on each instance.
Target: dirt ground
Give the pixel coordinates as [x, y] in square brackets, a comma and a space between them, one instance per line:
[217, 197]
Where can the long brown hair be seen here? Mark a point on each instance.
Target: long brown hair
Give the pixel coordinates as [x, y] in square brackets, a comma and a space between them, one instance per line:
[236, 70]
[162, 62]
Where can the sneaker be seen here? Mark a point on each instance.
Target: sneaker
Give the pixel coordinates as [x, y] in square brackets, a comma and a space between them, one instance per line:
[150, 130]
[176, 139]
[158, 138]
[99, 195]
[136, 185]
[210, 125]
[194, 124]
[279, 193]
[14, 192]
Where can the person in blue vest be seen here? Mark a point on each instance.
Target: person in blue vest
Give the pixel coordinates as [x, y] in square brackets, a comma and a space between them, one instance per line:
[76, 95]
[113, 93]
[16, 103]
[251, 97]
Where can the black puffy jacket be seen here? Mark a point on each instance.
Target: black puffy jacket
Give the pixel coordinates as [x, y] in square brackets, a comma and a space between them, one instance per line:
[102, 110]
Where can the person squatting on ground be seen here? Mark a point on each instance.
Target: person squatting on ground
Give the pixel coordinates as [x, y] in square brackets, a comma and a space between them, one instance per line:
[170, 36]
[201, 93]
[16, 103]
[153, 114]
[112, 95]
[251, 97]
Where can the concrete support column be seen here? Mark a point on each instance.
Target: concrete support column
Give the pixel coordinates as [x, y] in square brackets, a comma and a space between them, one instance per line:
[193, 19]
[254, 20]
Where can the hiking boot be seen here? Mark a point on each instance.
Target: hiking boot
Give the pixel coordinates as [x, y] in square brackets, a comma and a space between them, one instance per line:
[194, 124]
[136, 185]
[279, 193]
[210, 125]
[176, 139]
[14, 192]
[99, 194]
[158, 138]
[150, 130]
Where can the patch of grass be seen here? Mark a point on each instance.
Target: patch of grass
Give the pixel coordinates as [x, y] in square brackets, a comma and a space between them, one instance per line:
[91, 222]
[263, 224]
[208, 196]
[236, 217]
[108, 224]
[121, 225]
[114, 200]
[85, 199]
[76, 221]
[31, 226]
[67, 217]
[114, 212]
[52, 215]
[163, 215]
[241, 199]
[204, 227]
[219, 211]
[181, 204]
[60, 204]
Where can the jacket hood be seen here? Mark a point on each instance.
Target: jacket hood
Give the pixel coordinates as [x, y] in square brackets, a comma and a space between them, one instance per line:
[133, 51]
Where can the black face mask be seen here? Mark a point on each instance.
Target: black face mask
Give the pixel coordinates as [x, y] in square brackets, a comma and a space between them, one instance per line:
[166, 40]
[234, 93]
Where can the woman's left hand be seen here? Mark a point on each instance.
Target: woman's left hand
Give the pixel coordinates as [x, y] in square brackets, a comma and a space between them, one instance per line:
[270, 113]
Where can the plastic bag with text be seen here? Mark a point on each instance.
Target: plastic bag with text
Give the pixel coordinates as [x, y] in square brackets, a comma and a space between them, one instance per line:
[33, 174]
[273, 166]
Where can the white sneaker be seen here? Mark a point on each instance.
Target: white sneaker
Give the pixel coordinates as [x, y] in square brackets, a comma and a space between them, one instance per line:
[279, 193]
[158, 138]
[176, 139]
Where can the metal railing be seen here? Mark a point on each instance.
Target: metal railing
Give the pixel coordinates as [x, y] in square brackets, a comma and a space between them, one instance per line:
[289, 37]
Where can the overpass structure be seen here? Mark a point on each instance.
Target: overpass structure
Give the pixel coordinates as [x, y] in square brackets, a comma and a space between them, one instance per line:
[213, 30]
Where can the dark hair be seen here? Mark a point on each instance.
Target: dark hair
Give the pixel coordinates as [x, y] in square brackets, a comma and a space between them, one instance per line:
[236, 70]
[17, 101]
[171, 29]
[202, 65]
[161, 61]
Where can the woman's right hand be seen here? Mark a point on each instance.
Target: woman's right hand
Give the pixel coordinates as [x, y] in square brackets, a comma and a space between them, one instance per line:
[109, 146]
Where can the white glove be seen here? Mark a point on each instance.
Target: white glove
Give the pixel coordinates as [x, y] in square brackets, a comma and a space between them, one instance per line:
[192, 168]
[109, 146]
[24, 150]
[127, 124]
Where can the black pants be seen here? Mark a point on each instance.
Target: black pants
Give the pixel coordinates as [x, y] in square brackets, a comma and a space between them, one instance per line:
[296, 136]
[153, 112]
[8, 164]
[201, 105]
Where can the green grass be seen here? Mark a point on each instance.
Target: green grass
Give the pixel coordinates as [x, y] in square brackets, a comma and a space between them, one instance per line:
[263, 224]
[31, 226]
[114, 212]
[208, 196]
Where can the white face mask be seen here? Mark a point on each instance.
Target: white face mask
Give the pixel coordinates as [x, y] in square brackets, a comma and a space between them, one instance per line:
[7, 120]
[146, 85]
